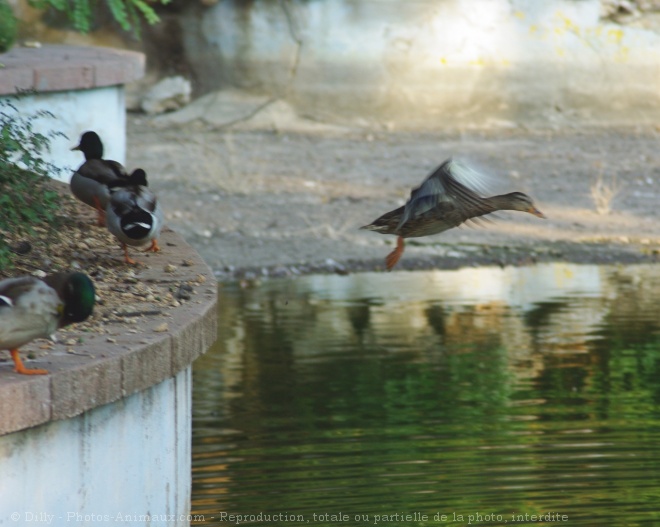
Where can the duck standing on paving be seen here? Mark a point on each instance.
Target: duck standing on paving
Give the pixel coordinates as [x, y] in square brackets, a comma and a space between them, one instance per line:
[31, 308]
[133, 213]
[90, 183]
[445, 199]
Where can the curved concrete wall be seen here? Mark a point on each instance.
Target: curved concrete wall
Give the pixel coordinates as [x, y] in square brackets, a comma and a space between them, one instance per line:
[117, 464]
[105, 437]
[108, 431]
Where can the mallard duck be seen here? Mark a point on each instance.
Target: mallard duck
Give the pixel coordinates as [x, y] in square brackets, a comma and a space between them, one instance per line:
[133, 214]
[31, 308]
[442, 202]
[90, 183]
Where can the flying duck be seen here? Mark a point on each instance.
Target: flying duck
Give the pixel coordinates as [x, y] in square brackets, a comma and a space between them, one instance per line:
[444, 200]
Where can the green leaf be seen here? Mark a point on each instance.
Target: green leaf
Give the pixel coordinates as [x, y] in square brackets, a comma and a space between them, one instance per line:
[118, 10]
[82, 15]
[127, 13]
[26, 200]
[147, 11]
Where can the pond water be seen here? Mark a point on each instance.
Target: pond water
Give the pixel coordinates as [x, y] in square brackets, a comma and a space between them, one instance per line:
[476, 396]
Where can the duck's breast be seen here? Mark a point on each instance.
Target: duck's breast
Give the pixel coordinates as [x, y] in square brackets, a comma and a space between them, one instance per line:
[89, 191]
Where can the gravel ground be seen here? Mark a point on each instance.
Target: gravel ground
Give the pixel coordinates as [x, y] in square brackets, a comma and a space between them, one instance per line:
[260, 201]
[126, 301]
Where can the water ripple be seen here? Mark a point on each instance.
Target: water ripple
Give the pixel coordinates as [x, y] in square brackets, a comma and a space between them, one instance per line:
[402, 393]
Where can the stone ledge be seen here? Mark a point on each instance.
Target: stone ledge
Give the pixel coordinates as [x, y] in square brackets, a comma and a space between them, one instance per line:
[61, 67]
[108, 371]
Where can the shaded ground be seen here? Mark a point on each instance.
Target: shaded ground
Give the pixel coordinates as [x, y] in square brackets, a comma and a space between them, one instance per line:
[259, 201]
[129, 299]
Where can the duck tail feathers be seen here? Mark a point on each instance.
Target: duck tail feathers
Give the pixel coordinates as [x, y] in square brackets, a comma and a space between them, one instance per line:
[138, 224]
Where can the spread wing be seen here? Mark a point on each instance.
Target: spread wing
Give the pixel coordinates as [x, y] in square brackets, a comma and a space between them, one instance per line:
[453, 183]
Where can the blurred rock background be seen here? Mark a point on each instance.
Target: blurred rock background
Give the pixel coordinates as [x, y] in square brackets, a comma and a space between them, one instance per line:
[428, 64]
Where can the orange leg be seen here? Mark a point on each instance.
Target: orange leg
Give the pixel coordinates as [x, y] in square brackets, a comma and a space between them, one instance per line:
[127, 258]
[19, 368]
[99, 211]
[153, 247]
[392, 258]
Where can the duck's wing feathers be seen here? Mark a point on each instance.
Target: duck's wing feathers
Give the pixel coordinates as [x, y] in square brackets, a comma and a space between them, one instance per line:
[146, 200]
[453, 183]
[102, 170]
[12, 289]
[28, 309]
[123, 200]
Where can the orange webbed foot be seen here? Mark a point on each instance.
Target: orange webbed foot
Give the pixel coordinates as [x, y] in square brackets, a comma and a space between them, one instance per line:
[20, 368]
[128, 259]
[154, 248]
[392, 258]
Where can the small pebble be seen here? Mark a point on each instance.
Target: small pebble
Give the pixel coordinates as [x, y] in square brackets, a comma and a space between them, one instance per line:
[161, 328]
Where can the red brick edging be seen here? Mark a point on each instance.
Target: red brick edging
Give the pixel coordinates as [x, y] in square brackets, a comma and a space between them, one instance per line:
[108, 370]
[62, 67]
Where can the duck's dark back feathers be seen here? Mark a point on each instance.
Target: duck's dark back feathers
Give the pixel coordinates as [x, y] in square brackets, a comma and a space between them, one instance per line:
[444, 201]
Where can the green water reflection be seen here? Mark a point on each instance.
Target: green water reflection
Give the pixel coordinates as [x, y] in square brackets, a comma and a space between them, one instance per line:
[489, 391]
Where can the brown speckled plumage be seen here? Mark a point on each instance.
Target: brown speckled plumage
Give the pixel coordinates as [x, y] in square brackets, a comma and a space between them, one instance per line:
[443, 201]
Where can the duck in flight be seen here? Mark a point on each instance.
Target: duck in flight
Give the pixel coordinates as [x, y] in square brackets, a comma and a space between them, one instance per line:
[445, 199]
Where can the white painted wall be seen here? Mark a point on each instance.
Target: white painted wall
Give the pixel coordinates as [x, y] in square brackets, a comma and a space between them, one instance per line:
[118, 464]
[98, 109]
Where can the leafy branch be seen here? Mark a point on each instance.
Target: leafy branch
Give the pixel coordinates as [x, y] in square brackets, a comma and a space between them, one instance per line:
[26, 199]
[127, 13]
